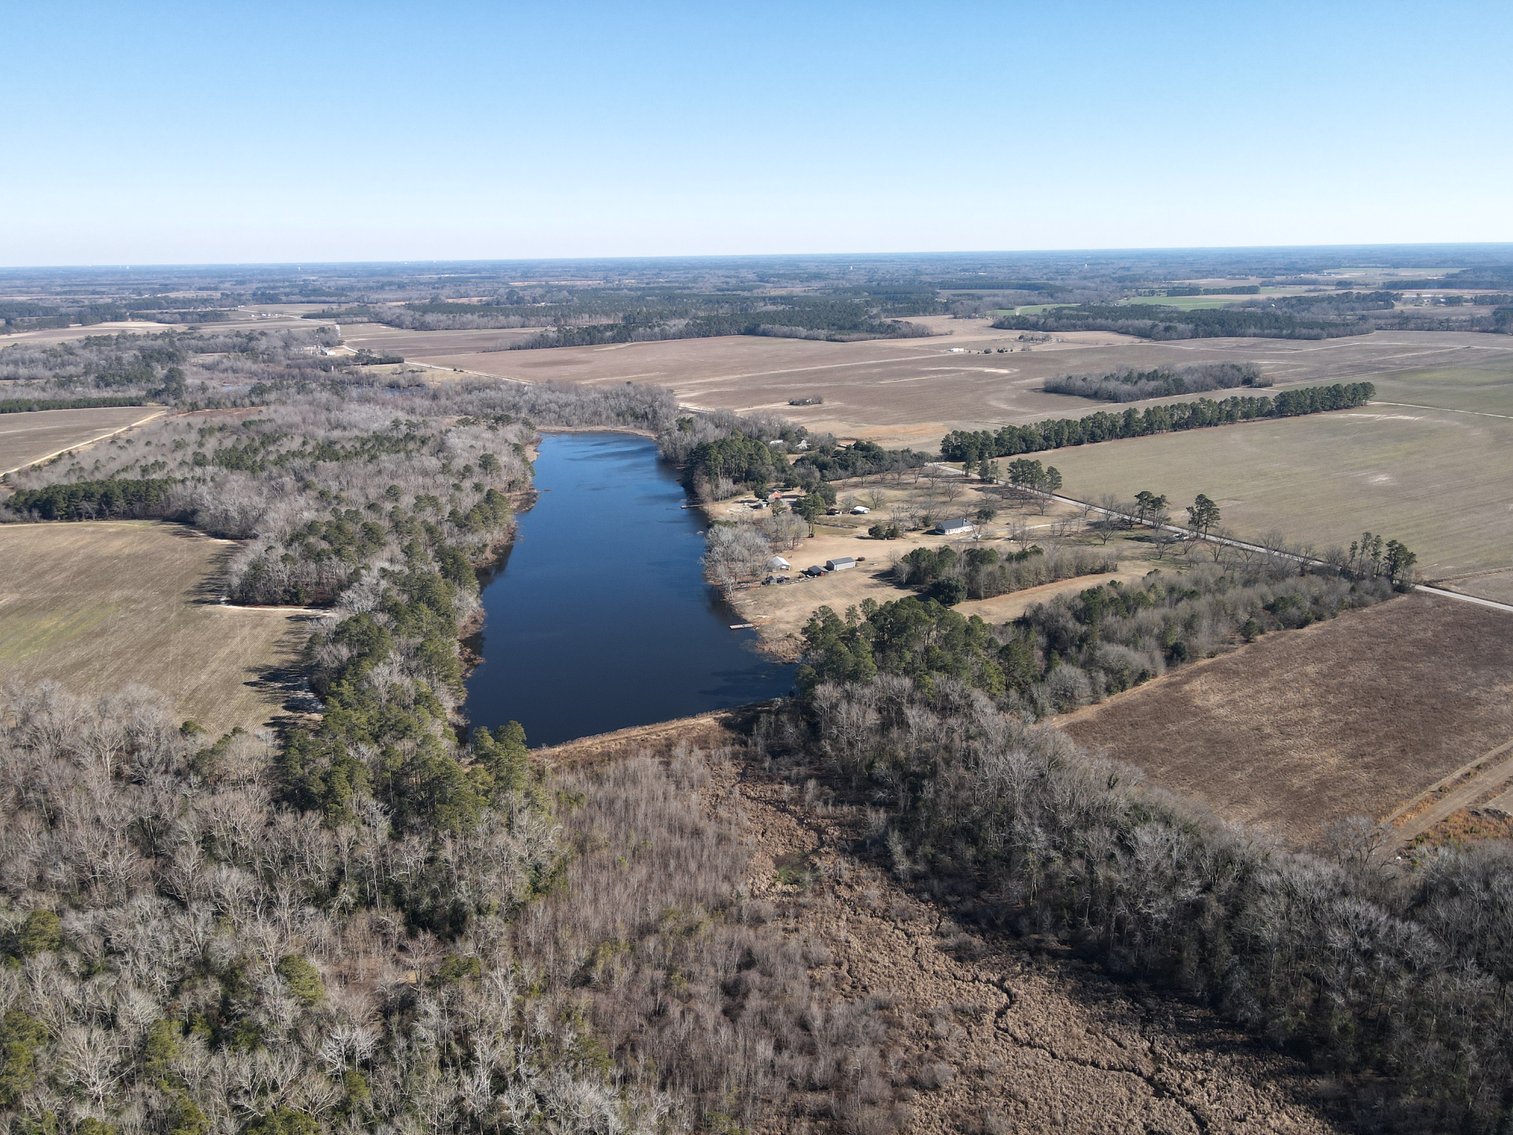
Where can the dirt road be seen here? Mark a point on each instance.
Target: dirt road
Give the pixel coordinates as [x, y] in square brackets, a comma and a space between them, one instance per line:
[1490, 774]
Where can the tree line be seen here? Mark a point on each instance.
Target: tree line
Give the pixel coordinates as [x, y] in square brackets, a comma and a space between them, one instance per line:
[1131, 385]
[1200, 413]
[1154, 321]
[85, 402]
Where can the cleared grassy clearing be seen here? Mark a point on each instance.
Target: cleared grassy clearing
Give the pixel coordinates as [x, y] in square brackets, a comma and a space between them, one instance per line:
[102, 605]
[1302, 728]
[31, 437]
[1435, 479]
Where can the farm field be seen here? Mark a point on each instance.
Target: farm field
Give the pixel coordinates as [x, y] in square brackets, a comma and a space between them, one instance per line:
[106, 604]
[31, 437]
[1354, 716]
[1434, 479]
[1480, 383]
[913, 391]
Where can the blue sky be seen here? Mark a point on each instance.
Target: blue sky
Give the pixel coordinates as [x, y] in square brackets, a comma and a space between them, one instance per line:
[164, 132]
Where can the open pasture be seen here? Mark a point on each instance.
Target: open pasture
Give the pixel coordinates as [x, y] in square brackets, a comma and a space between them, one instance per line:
[1435, 479]
[1354, 716]
[28, 438]
[102, 605]
[913, 391]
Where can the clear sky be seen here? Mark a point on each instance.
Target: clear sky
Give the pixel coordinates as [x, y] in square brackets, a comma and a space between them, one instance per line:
[272, 131]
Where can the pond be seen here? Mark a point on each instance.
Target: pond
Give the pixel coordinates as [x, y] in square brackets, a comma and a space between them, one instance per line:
[599, 617]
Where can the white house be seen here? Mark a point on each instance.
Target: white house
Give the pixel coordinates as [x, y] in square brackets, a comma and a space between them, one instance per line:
[958, 527]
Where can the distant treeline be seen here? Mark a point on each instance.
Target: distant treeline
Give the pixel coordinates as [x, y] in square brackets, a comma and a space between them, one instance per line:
[1034, 437]
[30, 405]
[838, 323]
[1133, 385]
[31, 315]
[1492, 276]
[1237, 290]
[1154, 321]
[585, 317]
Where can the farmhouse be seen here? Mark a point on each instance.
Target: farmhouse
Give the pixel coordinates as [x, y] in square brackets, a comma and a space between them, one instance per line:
[958, 527]
[840, 563]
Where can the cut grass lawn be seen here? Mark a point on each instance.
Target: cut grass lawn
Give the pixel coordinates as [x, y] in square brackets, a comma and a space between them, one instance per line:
[1303, 728]
[26, 438]
[103, 605]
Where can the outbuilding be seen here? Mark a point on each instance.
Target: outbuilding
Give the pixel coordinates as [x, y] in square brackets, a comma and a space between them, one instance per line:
[859, 510]
[840, 563]
[777, 563]
[958, 527]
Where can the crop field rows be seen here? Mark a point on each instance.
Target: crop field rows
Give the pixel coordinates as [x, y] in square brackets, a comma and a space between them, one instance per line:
[1305, 728]
[101, 605]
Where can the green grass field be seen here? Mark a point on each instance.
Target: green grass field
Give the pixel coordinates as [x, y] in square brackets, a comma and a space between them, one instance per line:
[1485, 386]
[1435, 479]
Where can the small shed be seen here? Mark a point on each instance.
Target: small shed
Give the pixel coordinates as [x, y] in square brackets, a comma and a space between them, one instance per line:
[814, 570]
[958, 527]
[840, 563]
[859, 510]
[777, 563]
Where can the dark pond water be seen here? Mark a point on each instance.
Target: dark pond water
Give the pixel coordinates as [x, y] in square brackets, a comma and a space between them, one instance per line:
[600, 618]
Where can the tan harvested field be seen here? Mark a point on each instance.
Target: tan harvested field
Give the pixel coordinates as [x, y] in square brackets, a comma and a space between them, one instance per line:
[913, 391]
[1355, 716]
[102, 605]
[1438, 480]
[28, 438]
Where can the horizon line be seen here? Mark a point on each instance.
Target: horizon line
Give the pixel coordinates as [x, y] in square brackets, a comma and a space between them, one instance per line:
[620, 258]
